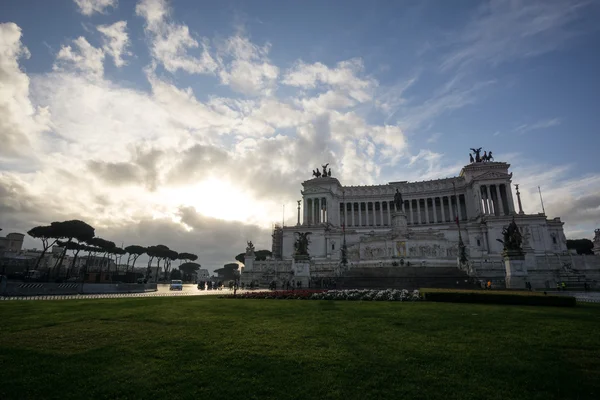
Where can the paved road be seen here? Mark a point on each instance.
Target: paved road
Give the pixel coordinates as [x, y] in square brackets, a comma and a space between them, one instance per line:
[163, 291]
[192, 290]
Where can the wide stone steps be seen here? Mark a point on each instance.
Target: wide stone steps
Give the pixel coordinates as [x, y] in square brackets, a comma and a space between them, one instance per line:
[405, 278]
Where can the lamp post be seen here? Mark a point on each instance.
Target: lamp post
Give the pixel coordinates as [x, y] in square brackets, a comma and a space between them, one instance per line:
[344, 247]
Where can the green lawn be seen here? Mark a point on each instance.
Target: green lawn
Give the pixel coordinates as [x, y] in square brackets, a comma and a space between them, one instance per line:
[208, 348]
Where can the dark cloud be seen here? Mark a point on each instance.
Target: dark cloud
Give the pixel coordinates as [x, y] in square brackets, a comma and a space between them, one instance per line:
[143, 169]
[215, 241]
[582, 210]
[196, 162]
[115, 173]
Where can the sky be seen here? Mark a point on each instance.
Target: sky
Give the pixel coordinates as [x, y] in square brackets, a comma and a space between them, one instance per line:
[193, 123]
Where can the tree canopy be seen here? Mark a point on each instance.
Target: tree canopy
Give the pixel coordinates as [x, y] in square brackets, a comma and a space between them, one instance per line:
[189, 268]
[260, 255]
[229, 271]
[76, 236]
[187, 256]
[73, 229]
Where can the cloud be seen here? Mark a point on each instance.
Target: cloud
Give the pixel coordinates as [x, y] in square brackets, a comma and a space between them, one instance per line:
[542, 124]
[115, 41]
[567, 195]
[504, 30]
[171, 42]
[249, 71]
[452, 96]
[434, 138]
[89, 7]
[20, 122]
[85, 58]
[343, 77]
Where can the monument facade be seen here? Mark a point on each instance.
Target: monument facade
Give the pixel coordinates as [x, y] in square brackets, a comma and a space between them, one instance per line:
[452, 222]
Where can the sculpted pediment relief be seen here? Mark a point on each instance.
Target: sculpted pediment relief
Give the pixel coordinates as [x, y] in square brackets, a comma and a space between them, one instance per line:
[494, 175]
[314, 189]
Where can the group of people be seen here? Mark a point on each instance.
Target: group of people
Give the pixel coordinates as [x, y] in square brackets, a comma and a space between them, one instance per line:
[210, 285]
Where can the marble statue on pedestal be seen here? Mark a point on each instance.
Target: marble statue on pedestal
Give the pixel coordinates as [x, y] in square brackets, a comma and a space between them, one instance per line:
[250, 248]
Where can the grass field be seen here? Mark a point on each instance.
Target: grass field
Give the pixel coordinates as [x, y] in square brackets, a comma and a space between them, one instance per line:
[208, 348]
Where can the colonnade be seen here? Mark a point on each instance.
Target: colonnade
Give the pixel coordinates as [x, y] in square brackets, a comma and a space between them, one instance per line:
[496, 200]
[429, 210]
[315, 211]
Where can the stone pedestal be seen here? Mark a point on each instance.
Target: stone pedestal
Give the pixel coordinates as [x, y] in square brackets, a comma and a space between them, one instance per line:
[399, 223]
[596, 248]
[301, 269]
[516, 270]
[249, 262]
[247, 274]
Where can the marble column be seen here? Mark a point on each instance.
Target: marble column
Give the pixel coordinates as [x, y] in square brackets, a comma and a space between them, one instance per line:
[389, 213]
[459, 208]
[426, 210]
[353, 211]
[381, 213]
[509, 199]
[443, 212]
[360, 222]
[435, 217]
[499, 197]
[484, 198]
[419, 211]
[412, 216]
[305, 212]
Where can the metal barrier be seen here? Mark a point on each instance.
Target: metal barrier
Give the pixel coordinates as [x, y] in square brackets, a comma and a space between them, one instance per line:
[11, 289]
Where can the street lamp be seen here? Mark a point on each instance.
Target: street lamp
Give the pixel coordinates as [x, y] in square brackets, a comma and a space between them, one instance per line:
[344, 247]
[461, 246]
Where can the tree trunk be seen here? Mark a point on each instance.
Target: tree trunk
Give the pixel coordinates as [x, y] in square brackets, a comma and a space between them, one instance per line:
[70, 270]
[108, 260]
[44, 250]
[167, 267]
[157, 271]
[62, 257]
[149, 269]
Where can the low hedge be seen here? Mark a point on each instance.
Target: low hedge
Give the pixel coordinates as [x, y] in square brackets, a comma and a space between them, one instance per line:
[497, 297]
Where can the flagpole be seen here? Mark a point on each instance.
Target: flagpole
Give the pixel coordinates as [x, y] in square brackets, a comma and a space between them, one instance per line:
[541, 200]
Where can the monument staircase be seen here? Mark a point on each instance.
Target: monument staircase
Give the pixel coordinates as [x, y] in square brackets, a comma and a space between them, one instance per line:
[573, 279]
[405, 278]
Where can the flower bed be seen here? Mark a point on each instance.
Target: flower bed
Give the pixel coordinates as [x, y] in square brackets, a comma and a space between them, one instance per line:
[352, 295]
[368, 295]
[274, 294]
